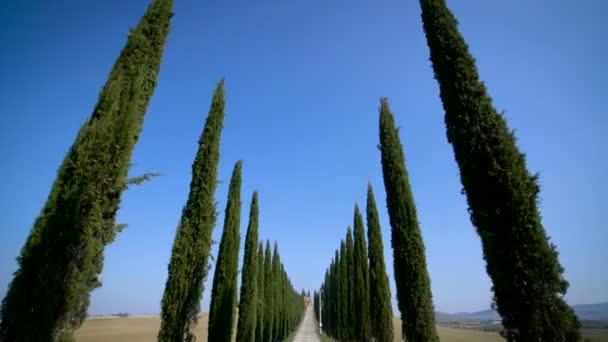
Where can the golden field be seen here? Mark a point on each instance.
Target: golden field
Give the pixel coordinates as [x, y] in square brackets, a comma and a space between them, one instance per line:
[144, 328]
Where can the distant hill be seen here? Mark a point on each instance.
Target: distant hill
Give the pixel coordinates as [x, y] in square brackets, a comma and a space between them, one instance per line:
[587, 312]
[592, 312]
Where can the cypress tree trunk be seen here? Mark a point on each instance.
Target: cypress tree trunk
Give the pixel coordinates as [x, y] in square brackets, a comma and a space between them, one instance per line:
[501, 193]
[362, 319]
[411, 276]
[381, 311]
[60, 262]
[245, 330]
[259, 330]
[224, 290]
[268, 295]
[188, 266]
[350, 281]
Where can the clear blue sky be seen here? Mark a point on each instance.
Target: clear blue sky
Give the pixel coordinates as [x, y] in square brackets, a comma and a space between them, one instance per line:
[303, 80]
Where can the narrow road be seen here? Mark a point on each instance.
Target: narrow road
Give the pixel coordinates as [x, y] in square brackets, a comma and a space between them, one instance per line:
[307, 332]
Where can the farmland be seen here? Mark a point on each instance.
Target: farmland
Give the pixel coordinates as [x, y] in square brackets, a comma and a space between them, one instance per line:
[144, 328]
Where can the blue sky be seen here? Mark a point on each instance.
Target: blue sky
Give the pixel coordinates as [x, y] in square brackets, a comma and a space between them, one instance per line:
[303, 82]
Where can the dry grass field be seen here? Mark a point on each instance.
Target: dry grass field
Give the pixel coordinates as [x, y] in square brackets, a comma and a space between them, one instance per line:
[145, 328]
[129, 329]
[455, 335]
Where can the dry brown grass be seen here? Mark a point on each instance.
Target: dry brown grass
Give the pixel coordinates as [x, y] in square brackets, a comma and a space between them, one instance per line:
[455, 335]
[129, 329]
[145, 328]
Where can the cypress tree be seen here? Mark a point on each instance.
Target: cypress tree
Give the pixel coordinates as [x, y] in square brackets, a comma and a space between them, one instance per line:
[338, 297]
[381, 311]
[331, 299]
[501, 193]
[188, 265]
[343, 296]
[411, 276]
[350, 285]
[323, 303]
[60, 262]
[362, 318]
[282, 295]
[245, 330]
[268, 295]
[276, 267]
[315, 304]
[259, 330]
[224, 290]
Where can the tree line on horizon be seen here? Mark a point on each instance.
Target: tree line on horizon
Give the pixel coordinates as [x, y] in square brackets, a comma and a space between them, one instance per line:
[60, 262]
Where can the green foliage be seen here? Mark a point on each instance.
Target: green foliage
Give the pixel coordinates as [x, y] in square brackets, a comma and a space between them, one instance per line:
[138, 180]
[276, 270]
[381, 311]
[259, 330]
[268, 295]
[361, 281]
[315, 304]
[245, 329]
[411, 276]
[350, 285]
[60, 262]
[338, 296]
[188, 266]
[501, 193]
[343, 299]
[224, 289]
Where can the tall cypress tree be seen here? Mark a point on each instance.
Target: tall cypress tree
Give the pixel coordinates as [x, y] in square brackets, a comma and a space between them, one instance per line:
[276, 267]
[361, 294]
[224, 290]
[381, 311]
[268, 295]
[259, 330]
[245, 330]
[188, 265]
[60, 262]
[350, 284]
[501, 193]
[333, 270]
[411, 276]
[282, 295]
[343, 296]
[339, 295]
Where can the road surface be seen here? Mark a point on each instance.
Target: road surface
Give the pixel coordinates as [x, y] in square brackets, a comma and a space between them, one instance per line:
[307, 331]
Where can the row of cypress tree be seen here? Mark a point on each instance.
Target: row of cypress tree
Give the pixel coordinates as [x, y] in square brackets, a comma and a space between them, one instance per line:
[502, 195]
[355, 295]
[63, 255]
[60, 262]
[269, 307]
[350, 285]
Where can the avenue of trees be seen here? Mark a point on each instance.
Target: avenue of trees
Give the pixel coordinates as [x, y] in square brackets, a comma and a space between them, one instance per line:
[269, 307]
[60, 262]
[355, 295]
[503, 204]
